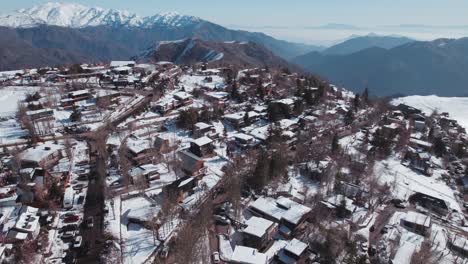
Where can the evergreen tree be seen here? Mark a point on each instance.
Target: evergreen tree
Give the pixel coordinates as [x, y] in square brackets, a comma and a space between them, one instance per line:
[246, 118]
[365, 96]
[335, 146]
[439, 147]
[75, 115]
[349, 117]
[356, 102]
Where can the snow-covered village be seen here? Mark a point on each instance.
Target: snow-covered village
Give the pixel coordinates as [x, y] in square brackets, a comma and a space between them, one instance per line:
[287, 137]
[158, 163]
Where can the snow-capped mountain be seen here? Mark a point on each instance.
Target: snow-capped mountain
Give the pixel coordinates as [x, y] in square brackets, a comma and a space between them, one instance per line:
[79, 16]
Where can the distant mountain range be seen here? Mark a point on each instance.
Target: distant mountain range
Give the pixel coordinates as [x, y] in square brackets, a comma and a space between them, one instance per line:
[190, 51]
[423, 68]
[58, 33]
[358, 43]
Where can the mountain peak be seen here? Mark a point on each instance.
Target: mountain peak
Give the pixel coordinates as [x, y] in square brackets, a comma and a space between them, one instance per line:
[78, 16]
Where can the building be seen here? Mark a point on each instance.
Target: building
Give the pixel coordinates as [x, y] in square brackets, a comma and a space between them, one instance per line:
[246, 255]
[202, 147]
[418, 223]
[116, 64]
[258, 232]
[203, 129]
[294, 252]
[191, 164]
[289, 214]
[43, 155]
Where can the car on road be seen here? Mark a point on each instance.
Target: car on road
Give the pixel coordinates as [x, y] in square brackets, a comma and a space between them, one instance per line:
[221, 220]
[77, 242]
[71, 219]
[90, 222]
[216, 258]
[72, 227]
[67, 235]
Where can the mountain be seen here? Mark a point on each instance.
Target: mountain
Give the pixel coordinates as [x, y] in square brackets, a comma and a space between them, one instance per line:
[190, 51]
[416, 68]
[96, 34]
[359, 43]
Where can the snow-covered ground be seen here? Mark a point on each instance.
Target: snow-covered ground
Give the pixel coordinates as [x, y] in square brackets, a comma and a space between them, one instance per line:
[9, 97]
[457, 107]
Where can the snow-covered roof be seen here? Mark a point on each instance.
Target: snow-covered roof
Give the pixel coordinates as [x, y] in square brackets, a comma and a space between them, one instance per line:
[243, 136]
[202, 141]
[78, 93]
[296, 247]
[257, 226]
[248, 255]
[282, 208]
[286, 101]
[115, 64]
[418, 219]
[182, 96]
[40, 152]
[28, 221]
[201, 125]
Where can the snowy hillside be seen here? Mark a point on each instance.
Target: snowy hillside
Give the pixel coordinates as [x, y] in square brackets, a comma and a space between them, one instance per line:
[457, 107]
[78, 16]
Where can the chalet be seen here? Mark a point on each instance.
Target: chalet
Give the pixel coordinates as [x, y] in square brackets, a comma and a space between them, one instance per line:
[203, 129]
[27, 225]
[418, 223]
[247, 255]
[244, 140]
[40, 114]
[149, 171]
[164, 143]
[284, 211]
[191, 164]
[202, 147]
[287, 103]
[295, 251]
[258, 232]
[116, 64]
[351, 190]
[79, 95]
[390, 131]
[420, 144]
[419, 126]
[183, 98]
[419, 160]
[182, 187]
[43, 155]
[217, 98]
[431, 201]
[140, 150]
[408, 111]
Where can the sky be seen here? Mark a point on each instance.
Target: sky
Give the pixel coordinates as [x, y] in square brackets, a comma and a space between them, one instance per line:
[302, 20]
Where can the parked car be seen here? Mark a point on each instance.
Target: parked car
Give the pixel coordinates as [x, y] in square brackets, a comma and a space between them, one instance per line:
[90, 222]
[216, 258]
[222, 220]
[78, 241]
[71, 219]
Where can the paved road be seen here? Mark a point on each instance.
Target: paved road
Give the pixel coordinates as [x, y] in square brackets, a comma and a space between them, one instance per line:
[93, 240]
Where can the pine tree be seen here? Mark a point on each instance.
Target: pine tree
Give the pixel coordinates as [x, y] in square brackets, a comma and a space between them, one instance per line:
[335, 144]
[75, 115]
[356, 102]
[365, 96]
[349, 117]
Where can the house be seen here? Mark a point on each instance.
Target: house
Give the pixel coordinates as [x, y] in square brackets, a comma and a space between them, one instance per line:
[420, 144]
[182, 188]
[40, 114]
[183, 98]
[191, 164]
[417, 222]
[140, 150]
[217, 98]
[202, 147]
[244, 140]
[282, 210]
[43, 155]
[202, 129]
[164, 143]
[27, 225]
[419, 126]
[116, 64]
[247, 255]
[419, 160]
[258, 232]
[79, 95]
[294, 252]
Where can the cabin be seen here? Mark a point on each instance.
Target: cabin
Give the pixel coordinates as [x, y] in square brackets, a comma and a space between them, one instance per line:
[203, 129]
[417, 222]
[183, 98]
[247, 255]
[295, 251]
[191, 164]
[258, 232]
[202, 147]
[40, 114]
[419, 160]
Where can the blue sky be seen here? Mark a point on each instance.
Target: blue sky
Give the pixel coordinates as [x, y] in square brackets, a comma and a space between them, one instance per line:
[269, 15]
